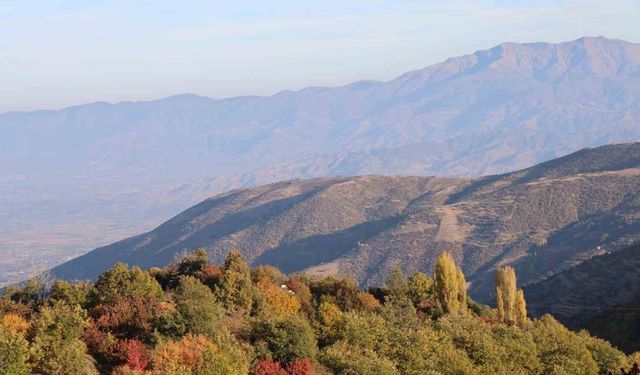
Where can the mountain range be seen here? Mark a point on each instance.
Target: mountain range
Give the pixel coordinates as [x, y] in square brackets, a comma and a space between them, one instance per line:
[84, 176]
[541, 220]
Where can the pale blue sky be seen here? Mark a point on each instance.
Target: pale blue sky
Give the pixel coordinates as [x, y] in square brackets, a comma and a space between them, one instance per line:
[57, 53]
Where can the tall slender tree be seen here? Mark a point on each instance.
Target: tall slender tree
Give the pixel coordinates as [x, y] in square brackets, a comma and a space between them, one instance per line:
[450, 285]
[509, 300]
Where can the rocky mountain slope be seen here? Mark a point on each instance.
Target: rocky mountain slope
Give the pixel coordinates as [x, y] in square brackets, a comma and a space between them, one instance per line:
[542, 220]
[86, 175]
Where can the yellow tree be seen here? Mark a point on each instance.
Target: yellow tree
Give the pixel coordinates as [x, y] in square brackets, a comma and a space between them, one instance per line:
[450, 285]
[510, 301]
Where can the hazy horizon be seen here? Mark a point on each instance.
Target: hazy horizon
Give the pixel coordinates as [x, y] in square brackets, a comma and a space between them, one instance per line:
[215, 50]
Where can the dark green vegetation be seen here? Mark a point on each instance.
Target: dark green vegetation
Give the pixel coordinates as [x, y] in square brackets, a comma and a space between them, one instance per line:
[540, 220]
[601, 295]
[194, 317]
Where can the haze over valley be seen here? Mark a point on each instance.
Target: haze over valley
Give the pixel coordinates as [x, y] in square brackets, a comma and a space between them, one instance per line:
[85, 176]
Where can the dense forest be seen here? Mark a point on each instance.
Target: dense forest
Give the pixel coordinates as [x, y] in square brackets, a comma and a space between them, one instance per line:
[194, 317]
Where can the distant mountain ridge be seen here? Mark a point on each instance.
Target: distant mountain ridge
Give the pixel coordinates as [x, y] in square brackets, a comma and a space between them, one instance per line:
[542, 220]
[89, 174]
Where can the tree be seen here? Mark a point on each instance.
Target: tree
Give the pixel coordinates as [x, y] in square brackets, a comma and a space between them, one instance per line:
[367, 302]
[191, 263]
[267, 367]
[462, 288]
[227, 358]
[57, 348]
[420, 290]
[276, 300]
[396, 283]
[521, 308]
[71, 294]
[14, 353]
[345, 359]
[236, 290]
[119, 282]
[137, 357]
[15, 324]
[197, 307]
[180, 357]
[561, 351]
[267, 272]
[288, 340]
[450, 287]
[301, 367]
[608, 358]
[510, 301]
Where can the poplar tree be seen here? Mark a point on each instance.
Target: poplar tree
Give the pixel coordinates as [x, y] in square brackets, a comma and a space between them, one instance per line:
[521, 308]
[509, 300]
[450, 285]
[462, 288]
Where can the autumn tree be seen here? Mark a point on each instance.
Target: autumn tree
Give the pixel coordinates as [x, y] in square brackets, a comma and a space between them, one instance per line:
[277, 300]
[14, 323]
[268, 367]
[181, 356]
[510, 301]
[450, 285]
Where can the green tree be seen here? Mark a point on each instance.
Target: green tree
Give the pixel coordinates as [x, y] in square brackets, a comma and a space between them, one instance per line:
[450, 287]
[462, 288]
[197, 307]
[71, 294]
[236, 290]
[403, 341]
[396, 283]
[420, 289]
[609, 359]
[560, 350]
[192, 263]
[345, 359]
[120, 281]
[14, 353]
[287, 340]
[57, 348]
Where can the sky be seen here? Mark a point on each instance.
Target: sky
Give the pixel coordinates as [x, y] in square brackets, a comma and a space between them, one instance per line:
[59, 53]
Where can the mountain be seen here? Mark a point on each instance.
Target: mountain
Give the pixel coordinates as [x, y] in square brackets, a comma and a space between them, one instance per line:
[542, 220]
[79, 177]
[601, 294]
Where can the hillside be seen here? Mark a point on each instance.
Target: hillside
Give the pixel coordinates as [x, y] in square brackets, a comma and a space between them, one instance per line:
[83, 176]
[601, 295]
[541, 220]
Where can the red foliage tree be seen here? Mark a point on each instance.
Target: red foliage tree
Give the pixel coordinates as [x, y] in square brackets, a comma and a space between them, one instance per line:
[301, 367]
[136, 355]
[267, 367]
